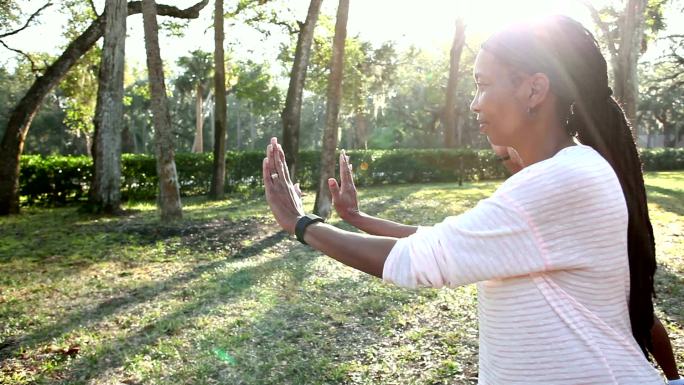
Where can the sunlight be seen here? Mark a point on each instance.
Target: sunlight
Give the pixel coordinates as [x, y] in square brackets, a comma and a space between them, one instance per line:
[430, 23]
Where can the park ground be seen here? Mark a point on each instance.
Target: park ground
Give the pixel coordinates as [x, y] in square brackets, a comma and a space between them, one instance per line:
[223, 297]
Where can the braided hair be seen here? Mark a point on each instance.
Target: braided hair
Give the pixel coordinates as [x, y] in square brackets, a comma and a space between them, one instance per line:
[569, 55]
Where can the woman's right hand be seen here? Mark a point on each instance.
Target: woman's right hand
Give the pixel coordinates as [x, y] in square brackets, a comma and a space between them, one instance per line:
[510, 158]
[344, 195]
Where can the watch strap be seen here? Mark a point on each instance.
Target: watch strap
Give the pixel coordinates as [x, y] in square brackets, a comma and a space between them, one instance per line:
[303, 222]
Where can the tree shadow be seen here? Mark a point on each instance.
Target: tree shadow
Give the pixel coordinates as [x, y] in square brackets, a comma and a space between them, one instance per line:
[217, 291]
[668, 199]
[669, 286]
[138, 295]
[328, 332]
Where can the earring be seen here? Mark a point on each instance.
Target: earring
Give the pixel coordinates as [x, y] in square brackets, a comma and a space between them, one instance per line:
[530, 111]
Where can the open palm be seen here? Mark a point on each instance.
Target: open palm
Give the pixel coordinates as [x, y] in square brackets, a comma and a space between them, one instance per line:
[344, 195]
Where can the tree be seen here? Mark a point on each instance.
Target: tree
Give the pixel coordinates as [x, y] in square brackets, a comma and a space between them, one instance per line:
[23, 113]
[105, 191]
[323, 202]
[291, 114]
[625, 36]
[169, 190]
[450, 107]
[198, 72]
[218, 175]
[661, 106]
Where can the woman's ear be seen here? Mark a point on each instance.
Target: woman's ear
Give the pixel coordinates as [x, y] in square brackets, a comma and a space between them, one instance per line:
[539, 89]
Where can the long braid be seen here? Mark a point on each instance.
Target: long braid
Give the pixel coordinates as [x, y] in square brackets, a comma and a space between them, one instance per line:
[599, 122]
[570, 56]
[614, 141]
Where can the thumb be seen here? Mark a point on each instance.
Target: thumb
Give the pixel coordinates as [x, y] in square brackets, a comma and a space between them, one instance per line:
[334, 188]
[298, 190]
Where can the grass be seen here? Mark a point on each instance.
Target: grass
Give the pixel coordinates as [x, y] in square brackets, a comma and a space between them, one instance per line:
[223, 297]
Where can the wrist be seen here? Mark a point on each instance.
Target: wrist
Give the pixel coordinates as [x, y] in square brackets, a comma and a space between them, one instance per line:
[303, 222]
[353, 217]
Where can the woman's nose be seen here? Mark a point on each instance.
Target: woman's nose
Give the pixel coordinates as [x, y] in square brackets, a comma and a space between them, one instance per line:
[474, 105]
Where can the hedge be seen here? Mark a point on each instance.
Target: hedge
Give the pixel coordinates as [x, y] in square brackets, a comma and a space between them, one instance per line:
[55, 180]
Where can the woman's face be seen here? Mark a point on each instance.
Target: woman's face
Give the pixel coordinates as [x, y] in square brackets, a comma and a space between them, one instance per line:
[499, 103]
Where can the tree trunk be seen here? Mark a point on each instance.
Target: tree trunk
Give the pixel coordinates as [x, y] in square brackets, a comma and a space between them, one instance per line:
[219, 169]
[238, 127]
[360, 129]
[625, 73]
[21, 116]
[169, 192]
[128, 142]
[669, 136]
[105, 190]
[323, 200]
[197, 144]
[293, 103]
[449, 120]
[252, 129]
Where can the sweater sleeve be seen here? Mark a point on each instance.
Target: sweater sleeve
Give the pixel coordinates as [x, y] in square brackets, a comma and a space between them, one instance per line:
[493, 240]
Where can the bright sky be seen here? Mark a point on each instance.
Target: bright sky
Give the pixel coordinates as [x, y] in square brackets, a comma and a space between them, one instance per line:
[425, 23]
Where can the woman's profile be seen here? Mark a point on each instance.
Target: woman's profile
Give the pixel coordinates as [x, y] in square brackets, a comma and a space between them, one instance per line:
[563, 252]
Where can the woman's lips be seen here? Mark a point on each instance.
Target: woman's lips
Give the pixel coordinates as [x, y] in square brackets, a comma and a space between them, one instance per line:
[483, 125]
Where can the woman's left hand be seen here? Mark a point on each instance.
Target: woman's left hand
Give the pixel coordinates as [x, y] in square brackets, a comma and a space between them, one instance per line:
[282, 196]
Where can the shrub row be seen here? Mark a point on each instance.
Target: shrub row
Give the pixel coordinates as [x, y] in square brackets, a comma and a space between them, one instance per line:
[63, 179]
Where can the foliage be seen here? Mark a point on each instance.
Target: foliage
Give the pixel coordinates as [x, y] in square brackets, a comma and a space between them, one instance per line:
[222, 296]
[48, 135]
[9, 14]
[137, 114]
[663, 159]
[56, 180]
[79, 87]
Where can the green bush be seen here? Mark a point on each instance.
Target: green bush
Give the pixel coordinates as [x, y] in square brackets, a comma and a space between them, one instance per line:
[58, 180]
[663, 159]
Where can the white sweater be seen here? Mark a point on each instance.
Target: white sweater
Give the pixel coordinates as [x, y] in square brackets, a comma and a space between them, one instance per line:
[549, 252]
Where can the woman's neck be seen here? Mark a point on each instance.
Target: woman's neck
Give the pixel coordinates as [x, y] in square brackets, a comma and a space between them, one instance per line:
[547, 145]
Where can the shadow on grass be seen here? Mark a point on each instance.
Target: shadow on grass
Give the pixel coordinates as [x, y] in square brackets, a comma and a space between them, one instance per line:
[670, 291]
[140, 294]
[333, 332]
[669, 199]
[220, 289]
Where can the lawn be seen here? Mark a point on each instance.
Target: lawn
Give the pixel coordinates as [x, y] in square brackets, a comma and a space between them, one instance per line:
[223, 297]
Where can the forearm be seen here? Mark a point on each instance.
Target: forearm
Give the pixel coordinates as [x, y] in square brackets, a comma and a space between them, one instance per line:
[360, 251]
[380, 227]
[662, 350]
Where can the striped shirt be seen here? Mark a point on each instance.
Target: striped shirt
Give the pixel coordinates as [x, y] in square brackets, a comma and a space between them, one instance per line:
[549, 253]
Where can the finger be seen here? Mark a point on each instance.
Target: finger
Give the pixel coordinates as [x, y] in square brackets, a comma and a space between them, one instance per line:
[343, 167]
[349, 177]
[271, 155]
[334, 188]
[286, 170]
[279, 169]
[298, 190]
[268, 181]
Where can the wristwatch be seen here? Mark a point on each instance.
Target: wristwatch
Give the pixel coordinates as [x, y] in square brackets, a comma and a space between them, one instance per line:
[303, 222]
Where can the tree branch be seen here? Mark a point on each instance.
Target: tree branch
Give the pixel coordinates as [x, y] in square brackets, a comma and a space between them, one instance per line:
[28, 22]
[92, 6]
[28, 57]
[168, 10]
[243, 6]
[602, 26]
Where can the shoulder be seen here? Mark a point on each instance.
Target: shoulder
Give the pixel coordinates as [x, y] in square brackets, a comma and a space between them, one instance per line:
[572, 167]
[575, 175]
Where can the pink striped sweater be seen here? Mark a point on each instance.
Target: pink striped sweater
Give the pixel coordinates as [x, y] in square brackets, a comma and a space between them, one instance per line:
[549, 253]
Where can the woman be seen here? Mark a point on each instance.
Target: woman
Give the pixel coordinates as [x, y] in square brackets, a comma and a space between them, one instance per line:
[563, 251]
